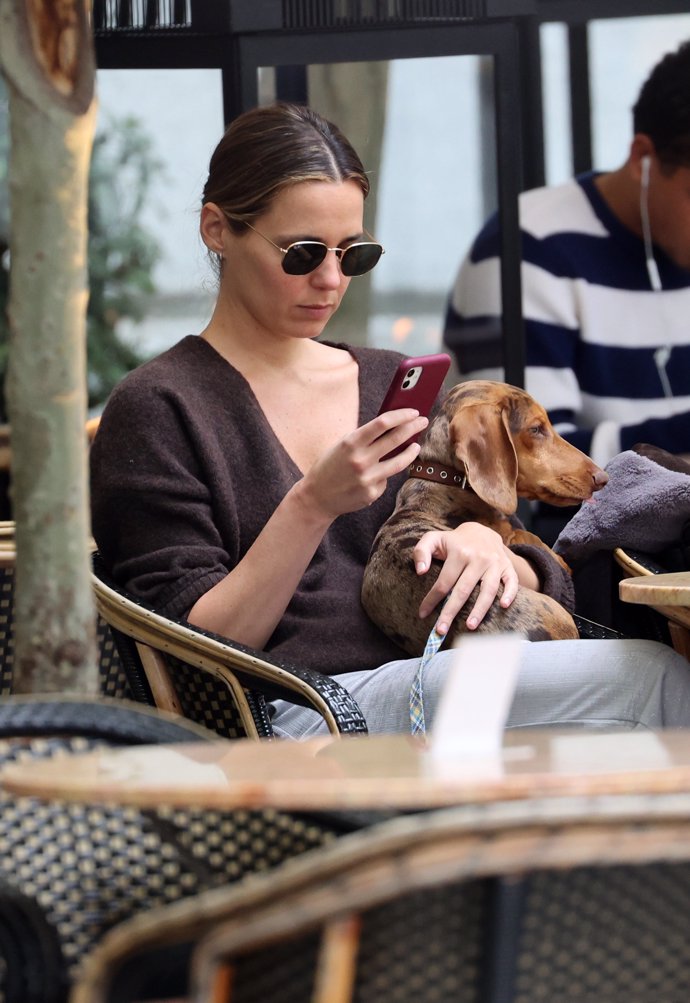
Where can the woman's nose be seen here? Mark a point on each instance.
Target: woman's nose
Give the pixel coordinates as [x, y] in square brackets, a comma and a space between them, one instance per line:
[328, 273]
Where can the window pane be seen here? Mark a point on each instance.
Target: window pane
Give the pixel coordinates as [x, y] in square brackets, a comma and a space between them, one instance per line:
[180, 113]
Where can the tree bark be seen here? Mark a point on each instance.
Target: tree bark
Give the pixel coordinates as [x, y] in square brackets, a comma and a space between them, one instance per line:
[46, 55]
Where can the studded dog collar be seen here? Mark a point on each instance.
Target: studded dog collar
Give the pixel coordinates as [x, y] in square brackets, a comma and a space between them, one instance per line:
[441, 473]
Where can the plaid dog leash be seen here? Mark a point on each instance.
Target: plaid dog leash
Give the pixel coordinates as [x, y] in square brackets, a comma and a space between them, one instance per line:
[433, 643]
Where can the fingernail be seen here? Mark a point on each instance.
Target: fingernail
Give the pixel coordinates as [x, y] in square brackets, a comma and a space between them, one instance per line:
[441, 628]
[421, 567]
[472, 622]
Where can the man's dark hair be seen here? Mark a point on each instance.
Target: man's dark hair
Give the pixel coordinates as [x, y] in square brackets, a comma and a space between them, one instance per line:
[662, 110]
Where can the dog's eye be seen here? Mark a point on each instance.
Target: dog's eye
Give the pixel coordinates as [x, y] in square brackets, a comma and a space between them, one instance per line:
[536, 430]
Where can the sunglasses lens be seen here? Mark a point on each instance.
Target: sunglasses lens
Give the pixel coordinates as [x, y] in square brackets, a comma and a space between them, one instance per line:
[360, 258]
[303, 258]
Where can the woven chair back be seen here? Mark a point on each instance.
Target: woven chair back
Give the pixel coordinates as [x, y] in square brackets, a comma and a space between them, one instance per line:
[86, 868]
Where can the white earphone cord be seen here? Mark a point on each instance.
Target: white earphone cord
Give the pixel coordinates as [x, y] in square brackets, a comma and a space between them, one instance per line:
[661, 357]
[652, 269]
[662, 354]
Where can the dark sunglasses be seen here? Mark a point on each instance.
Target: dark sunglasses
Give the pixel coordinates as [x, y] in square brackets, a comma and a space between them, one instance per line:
[304, 256]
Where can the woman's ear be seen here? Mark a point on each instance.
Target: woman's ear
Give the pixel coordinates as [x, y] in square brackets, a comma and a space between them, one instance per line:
[212, 227]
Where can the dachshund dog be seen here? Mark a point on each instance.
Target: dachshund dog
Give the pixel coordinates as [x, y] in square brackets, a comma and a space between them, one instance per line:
[489, 444]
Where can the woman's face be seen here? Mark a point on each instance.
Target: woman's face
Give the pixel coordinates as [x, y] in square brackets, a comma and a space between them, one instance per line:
[253, 281]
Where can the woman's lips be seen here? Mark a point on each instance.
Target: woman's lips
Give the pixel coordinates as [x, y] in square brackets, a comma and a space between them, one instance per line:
[318, 309]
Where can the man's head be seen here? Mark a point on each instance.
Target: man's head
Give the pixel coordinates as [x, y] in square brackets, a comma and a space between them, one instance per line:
[662, 110]
[658, 168]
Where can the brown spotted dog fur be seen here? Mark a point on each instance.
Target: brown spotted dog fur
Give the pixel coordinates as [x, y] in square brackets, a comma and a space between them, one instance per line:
[503, 441]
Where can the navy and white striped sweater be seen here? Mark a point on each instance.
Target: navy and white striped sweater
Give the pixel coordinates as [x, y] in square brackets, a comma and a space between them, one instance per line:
[593, 323]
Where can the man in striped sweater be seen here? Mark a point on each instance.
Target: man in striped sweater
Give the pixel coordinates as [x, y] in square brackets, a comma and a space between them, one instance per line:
[606, 287]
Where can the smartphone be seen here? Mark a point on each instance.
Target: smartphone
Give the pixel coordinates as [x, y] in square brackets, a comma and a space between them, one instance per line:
[416, 384]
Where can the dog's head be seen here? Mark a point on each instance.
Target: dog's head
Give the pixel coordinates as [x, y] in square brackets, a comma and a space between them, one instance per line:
[509, 448]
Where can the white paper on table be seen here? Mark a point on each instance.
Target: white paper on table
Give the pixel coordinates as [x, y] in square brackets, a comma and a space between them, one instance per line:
[622, 751]
[477, 696]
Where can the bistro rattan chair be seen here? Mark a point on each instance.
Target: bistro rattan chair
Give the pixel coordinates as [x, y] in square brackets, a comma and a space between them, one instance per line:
[113, 681]
[577, 900]
[211, 679]
[218, 682]
[68, 873]
[179, 668]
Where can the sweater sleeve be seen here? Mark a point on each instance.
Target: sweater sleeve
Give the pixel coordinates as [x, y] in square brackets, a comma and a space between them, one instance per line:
[556, 582]
[152, 512]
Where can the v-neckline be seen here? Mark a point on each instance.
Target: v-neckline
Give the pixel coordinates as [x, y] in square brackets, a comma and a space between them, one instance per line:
[351, 352]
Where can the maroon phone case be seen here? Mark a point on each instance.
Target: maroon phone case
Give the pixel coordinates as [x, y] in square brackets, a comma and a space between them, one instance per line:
[422, 395]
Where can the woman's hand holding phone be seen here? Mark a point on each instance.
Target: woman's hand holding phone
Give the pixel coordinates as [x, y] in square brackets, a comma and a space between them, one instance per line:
[393, 432]
[354, 473]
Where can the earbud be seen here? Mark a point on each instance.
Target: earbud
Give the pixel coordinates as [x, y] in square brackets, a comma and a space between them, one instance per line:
[646, 164]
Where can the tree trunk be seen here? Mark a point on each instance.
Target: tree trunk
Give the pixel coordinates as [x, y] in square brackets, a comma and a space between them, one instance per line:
[46, 55]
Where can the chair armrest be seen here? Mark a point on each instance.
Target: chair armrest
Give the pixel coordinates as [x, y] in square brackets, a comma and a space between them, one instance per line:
[635, 564]
[213, 653]
[589, 630]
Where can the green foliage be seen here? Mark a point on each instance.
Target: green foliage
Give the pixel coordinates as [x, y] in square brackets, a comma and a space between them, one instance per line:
[121, 252]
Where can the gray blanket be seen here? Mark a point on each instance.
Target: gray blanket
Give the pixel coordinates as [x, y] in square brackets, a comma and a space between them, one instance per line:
[643, 507]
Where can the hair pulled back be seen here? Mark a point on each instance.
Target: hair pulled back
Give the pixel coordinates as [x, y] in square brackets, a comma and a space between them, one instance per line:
[662, 110]
[269, 148]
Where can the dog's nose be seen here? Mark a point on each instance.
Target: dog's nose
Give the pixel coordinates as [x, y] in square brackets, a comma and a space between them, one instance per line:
[600, 477]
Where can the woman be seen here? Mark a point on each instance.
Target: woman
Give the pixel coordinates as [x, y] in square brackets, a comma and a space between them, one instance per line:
[238, 478]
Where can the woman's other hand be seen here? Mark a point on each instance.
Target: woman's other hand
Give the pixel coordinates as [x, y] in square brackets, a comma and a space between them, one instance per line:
[471, 554]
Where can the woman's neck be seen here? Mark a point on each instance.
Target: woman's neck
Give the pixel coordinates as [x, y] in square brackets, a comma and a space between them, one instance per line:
[253, 351]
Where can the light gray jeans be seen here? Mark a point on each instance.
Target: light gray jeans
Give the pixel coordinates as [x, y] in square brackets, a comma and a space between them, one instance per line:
[628, 684]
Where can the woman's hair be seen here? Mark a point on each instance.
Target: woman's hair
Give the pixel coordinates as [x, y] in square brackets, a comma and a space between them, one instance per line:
[662, 110]
[267, 149]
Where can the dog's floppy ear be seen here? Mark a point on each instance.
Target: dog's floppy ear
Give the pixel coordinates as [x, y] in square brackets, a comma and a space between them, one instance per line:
[481, 439]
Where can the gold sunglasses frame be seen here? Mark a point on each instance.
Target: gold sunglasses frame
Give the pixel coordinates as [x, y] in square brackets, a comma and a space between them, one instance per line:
[338, 251]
